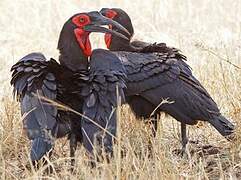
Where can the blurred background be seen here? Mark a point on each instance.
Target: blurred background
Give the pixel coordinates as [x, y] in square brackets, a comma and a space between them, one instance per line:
[208, 32]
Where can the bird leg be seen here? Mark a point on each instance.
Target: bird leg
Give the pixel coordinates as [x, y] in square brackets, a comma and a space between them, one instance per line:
[73, 146]
[184, 137]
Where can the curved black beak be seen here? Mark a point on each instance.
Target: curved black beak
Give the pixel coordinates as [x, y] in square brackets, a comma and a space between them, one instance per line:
[98, 20]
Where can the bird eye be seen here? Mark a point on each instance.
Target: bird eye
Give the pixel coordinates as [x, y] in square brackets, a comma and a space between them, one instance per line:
[82, 20]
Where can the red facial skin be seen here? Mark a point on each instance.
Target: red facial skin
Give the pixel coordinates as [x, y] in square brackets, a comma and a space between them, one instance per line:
[82, 37]
[110, 14]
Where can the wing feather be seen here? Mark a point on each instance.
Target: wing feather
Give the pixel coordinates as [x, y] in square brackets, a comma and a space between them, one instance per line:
[106, 73]
[32, 80]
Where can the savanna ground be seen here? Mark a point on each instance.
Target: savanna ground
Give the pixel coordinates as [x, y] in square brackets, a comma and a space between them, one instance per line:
[208, 32]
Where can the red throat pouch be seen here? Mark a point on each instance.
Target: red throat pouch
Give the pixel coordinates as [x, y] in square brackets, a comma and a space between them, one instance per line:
[108, 38]
[84, 41]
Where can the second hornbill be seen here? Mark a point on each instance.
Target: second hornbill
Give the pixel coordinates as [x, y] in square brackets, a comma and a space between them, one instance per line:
[84, 80]
[141, 107]
[161, 73]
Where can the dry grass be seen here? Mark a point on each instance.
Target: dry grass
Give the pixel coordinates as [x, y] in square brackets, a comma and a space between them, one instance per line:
[208, 32]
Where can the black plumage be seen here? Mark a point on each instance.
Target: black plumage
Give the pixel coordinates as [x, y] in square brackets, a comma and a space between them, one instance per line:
[108, 74]
[86, 87]
[34, 78]
[156, 72]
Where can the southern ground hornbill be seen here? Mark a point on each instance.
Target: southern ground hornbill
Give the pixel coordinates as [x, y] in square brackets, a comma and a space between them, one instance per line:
[161, 73]
[141, 107]
[88, 87]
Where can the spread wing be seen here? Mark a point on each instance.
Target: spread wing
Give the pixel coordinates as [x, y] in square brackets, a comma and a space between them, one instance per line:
[32, 80]
[149, 70]
[107, 77]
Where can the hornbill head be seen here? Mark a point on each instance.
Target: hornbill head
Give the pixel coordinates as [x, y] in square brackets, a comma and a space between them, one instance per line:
[74, 43]
[122, 18]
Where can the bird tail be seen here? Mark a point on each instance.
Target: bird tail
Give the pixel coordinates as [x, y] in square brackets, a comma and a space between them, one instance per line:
[223, 126]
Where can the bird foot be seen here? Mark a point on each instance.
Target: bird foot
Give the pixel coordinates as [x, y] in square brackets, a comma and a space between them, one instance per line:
[183, 152]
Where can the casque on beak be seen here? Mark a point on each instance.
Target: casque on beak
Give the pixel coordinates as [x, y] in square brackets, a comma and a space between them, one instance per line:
[98, 20]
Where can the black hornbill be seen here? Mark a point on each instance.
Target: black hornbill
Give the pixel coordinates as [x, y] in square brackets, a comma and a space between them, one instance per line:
[161, 73]
[84, 80]
[116, 44]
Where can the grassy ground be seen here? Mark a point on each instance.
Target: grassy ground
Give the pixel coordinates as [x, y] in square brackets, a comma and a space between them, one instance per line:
[208, 32]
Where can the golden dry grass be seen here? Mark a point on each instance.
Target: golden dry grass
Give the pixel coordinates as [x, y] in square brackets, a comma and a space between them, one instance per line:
[208, 32]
